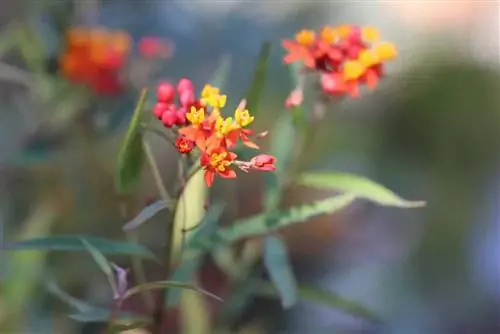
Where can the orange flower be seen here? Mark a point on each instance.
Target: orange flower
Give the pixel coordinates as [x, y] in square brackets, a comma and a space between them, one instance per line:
[184, 145]
[94, 57]
[217, 161]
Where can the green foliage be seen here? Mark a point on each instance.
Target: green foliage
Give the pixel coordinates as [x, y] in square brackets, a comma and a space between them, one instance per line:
[146, 214]
[258, 82]
[265, 223]
[357, 186]
[189, 266]
[131, 154]
[166, 285]
[74, 243]
[280, 270]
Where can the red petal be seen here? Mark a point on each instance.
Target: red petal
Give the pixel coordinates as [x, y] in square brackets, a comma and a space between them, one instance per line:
[228, 174]
[209, 177]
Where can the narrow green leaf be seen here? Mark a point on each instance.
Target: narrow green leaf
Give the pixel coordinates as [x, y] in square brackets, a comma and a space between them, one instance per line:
[188, 267]
[131, 154]
[266, 223]
[220, 75]
[323, 297]
[259, 79]
[54, 289]
[167, 285]
[97, 314]
[282, 143]
[128, 326]
[99, 259]
[146, 214]
[358, 186]
[279, 269]
[74, 243]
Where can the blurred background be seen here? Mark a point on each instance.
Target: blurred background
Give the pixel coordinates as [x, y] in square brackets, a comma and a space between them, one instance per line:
[431, 131]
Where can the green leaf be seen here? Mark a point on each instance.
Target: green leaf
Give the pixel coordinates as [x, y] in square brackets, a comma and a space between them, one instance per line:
[167, 285]
[99, 259]
[323, 297]
[190, 208]
[131, 154]
[282, 144]
[75, 303]
[222, 71]
[146, 214]
[74, 243]
[259, 79]
[188, 267]
[266, 223]
[280, 271]
[358, 186]
[97, 314]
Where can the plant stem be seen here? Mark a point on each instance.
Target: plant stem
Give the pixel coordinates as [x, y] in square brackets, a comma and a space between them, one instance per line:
[113, 315]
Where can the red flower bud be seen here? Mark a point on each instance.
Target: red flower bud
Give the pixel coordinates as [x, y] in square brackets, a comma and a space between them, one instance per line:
[295, 99]
[159, 108]
[169, 118]
[181, 116]
[263, 162]
[184, 85]
[165, 92]
[184, 145]
[186, 98]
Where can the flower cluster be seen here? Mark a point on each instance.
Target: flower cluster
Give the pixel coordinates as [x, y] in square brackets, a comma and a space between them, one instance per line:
[94, 56]
[199, 123]
[345, 57]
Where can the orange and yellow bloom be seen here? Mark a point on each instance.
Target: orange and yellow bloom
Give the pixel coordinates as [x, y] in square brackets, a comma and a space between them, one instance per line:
[345, 56]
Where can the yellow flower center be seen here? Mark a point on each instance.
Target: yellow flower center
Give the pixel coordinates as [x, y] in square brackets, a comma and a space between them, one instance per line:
[386, 51]
[344, 30]
[224, 126]
[370, 34]
[329, 34]
[369, 58]
[243, 118]
[196, 116]
[305, 37]
[353, 70]
[211, 96]
[219, 161]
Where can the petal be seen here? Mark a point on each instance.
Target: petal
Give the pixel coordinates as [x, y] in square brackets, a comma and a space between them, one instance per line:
[209, 177]
[232, 155]
[227, 174]
[189, 132]
[289, 45]
[251, 144]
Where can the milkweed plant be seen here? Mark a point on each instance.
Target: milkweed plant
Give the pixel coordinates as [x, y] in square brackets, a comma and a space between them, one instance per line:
[214, 143]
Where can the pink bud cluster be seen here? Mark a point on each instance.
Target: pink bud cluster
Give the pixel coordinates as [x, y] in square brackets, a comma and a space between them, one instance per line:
[167, 109]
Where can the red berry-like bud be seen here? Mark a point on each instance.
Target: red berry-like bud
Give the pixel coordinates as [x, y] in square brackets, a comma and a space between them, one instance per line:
[165, 92]
[186, 98]
[295, 99]
[169, 118]
[333, 83]
[181, 116]
[185, 85]
[159, 108]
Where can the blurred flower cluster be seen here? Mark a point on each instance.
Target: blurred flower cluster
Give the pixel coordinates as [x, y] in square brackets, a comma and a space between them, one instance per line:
[345, 57]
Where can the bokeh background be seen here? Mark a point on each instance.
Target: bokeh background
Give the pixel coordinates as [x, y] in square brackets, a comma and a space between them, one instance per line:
[431, 131]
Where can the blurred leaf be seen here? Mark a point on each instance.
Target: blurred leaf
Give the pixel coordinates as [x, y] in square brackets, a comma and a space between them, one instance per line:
[358, 186]
[131, 155]
[188, 267]
[194, 314]
[279, 269]
[97, 314]
[146, 214]
[8, 38]
[167, 285]
[323, 297]
[268, 222]
[31, 48]
[282, 144]
[190, 208]
[74, 243]
[221, 73]
[259, 79]
[99, 259]
[23, 269]
[77, 304]
[129, 326]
